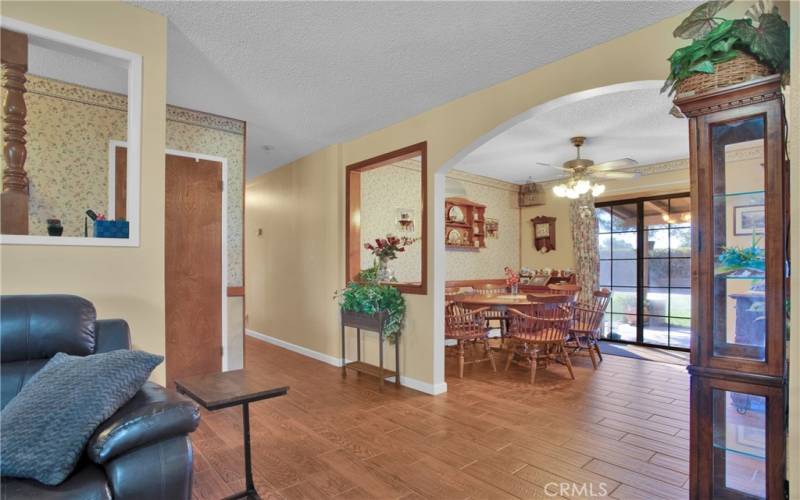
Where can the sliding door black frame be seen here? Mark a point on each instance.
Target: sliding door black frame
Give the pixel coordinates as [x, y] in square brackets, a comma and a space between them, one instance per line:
[640, 258]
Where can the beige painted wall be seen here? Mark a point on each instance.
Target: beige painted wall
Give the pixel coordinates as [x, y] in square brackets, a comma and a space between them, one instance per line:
[296, 264]
[122, 282]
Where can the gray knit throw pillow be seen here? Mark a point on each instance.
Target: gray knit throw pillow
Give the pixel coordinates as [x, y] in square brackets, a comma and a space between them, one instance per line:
[47, 425]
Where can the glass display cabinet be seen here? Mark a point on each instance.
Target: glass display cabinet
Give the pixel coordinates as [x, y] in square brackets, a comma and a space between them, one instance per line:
[739, 177]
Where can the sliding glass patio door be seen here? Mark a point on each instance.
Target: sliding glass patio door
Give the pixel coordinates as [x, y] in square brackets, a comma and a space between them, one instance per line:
[645, 247]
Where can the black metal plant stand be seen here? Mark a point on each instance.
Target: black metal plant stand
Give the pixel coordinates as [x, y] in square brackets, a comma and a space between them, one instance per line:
[374, 323]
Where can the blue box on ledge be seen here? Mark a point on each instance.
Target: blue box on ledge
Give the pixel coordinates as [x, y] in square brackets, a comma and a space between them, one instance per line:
[111, 229]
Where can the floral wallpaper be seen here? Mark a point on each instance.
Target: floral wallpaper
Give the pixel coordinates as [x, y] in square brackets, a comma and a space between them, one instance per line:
[502, 203]
[385, 191]
[67, 160]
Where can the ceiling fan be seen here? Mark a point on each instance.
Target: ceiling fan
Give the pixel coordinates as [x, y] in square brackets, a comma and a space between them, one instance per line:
[583, 170]
[601, 170]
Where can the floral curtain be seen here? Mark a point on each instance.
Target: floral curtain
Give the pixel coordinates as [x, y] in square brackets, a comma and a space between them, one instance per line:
[584, 236]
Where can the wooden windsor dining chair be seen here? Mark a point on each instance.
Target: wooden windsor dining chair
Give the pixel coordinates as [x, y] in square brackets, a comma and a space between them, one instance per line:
[564, 289]
[540, 333]
[584, 333]
[491, 315]
[467, 327]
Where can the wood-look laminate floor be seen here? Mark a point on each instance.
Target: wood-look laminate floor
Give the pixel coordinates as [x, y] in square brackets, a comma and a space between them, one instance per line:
[621, 430]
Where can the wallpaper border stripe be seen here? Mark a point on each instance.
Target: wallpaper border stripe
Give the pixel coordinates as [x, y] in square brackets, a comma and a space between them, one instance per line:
[58, 89]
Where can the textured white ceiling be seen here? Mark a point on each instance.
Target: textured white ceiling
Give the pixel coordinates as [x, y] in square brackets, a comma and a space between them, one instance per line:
[305, 75]
[622, 124]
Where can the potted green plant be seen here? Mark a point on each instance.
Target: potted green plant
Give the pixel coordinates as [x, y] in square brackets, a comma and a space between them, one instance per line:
[365, 300]
[724, 52]
[735, 262]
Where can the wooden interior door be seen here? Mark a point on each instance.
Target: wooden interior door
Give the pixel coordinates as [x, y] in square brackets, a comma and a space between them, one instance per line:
[193, 267]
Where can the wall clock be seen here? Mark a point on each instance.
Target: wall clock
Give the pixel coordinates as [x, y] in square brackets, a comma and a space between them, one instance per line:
[544, 233]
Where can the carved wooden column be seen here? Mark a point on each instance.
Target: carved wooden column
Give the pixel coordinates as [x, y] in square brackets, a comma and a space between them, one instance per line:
[14, 198]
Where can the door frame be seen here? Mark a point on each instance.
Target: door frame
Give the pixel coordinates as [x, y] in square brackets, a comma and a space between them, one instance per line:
[224, 215]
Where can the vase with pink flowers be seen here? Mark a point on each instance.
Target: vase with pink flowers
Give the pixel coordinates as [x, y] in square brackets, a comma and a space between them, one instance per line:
[512, 280]
[385, 250]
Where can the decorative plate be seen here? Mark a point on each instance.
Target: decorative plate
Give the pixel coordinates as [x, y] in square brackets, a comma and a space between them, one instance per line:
[455, 214]
[454, 237]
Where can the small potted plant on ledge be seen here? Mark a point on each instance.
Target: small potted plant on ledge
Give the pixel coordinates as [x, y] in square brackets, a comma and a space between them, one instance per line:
[725, 52]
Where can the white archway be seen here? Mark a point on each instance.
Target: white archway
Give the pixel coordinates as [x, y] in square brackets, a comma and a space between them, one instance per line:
[439, 265]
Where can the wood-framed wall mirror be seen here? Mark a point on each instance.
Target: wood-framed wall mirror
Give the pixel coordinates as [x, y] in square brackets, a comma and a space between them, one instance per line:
[67, 103]
[387, 195]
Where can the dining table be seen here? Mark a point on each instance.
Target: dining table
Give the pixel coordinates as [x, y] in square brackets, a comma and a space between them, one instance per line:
[500, 302]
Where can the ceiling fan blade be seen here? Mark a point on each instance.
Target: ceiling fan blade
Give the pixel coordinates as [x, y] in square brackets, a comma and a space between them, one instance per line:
[616, 175]
[614, 164]
[553, 167]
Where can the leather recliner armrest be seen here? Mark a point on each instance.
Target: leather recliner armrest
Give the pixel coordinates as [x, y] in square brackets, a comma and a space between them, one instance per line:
[153, 414]
[111, 335]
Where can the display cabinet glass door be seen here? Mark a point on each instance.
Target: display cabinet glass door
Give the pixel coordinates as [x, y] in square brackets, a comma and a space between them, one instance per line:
[742, 260]
[742, 421]
[739, 286]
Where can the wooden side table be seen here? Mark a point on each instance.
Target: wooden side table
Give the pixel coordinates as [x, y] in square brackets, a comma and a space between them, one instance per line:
[222, 390]
[374, 323]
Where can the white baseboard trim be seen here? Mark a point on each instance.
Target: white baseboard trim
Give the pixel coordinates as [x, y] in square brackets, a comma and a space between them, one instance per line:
[409, 382]
[325, 358]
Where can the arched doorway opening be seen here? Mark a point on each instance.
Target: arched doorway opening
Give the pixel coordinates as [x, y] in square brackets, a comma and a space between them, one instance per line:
[439, 253]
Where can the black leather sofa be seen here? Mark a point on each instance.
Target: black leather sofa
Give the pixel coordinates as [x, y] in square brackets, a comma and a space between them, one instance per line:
[143, 451]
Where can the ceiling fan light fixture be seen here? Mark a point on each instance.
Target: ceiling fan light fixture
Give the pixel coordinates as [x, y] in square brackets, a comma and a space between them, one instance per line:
[560, 190]
[576, 189]
[582, 186]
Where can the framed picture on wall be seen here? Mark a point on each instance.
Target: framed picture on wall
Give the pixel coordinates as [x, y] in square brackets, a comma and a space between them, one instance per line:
[748, 219]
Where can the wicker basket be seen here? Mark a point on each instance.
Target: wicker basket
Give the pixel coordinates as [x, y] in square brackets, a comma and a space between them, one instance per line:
[741, 69]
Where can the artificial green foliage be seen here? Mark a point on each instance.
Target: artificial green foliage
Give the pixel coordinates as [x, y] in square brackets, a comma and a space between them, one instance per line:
[702, 20]
[769, 42]
[368, 296]
[732, 259]
[718, 40]
[368, 275]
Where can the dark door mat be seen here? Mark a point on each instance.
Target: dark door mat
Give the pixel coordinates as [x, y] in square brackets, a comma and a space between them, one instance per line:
[645, 353]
